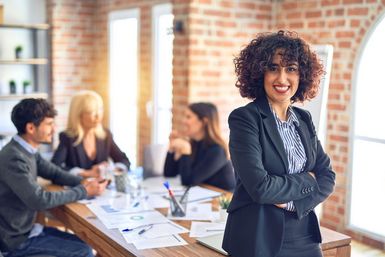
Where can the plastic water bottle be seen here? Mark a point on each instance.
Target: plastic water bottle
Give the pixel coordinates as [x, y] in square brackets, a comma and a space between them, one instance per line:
[135, 178]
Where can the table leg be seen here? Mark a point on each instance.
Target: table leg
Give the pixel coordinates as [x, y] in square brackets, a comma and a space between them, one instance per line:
[344, 251]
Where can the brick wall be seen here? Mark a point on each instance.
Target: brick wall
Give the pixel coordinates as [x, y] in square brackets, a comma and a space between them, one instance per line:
[181, 9]
[73, 55]
[214, 32]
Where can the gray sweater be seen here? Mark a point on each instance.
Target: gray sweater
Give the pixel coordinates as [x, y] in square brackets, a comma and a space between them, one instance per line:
[21, 196]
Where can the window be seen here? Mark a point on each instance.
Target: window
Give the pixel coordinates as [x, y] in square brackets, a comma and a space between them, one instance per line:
[318, 106]
[162, 69]
[368, 149]
[123, 79]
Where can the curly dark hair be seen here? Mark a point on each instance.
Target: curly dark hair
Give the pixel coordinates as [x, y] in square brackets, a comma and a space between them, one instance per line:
[257, 56]
[31, 110]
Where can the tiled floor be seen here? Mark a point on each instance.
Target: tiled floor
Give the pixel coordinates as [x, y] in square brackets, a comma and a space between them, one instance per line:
[361, 250]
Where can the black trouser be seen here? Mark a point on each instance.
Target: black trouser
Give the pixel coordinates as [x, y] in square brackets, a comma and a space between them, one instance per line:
[298, 239]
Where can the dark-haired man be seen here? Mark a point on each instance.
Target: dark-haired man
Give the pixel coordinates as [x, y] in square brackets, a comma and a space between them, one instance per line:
[21, 196]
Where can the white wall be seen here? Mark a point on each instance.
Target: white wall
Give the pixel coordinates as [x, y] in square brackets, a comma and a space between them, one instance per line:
[16, 12]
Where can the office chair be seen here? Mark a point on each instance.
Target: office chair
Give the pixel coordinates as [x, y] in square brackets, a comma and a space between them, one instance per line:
[153, 160]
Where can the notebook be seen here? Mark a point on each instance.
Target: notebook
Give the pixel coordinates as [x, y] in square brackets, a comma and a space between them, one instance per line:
[213, 242]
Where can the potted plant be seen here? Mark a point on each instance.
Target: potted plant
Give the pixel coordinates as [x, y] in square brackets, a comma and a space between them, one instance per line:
[18, 51]
[224, 203]
[27, 87]
[12, 87]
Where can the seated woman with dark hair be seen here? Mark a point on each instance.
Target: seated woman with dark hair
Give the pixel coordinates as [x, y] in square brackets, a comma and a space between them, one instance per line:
[201, 156]
[85, 145]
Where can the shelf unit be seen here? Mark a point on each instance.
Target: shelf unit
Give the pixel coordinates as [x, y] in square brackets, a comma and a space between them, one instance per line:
[32, 61]
[40, 26]
[18, 97]
[41, 78]
[38, 38]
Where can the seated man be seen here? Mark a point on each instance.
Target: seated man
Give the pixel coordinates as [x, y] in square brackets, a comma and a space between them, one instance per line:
[21, 196]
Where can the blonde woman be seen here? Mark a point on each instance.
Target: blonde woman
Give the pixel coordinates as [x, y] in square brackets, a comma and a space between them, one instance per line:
[85, 145]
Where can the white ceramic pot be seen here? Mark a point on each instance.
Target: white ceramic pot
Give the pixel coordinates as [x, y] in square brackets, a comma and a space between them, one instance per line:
[223, 215]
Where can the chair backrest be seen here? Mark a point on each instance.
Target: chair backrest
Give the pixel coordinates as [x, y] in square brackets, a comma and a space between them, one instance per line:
[153, 160]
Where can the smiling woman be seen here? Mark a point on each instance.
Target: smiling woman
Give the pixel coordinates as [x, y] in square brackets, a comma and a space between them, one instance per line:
[281, 169]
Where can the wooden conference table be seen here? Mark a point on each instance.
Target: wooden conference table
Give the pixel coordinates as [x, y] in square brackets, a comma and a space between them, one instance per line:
[110, 243]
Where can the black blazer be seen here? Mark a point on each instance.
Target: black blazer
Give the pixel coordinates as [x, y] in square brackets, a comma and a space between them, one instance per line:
[69, 156]
[255, 225]
[209, 166]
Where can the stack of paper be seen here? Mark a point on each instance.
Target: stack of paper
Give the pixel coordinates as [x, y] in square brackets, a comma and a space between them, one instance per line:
[163, 234]
[146, 228]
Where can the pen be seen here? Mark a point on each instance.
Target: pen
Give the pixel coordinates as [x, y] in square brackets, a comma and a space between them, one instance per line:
[130, 229]
[184, 194]
[176, 238]
[203, 198]
[214, 229]
[136, 204]
[144, 230]
[141, 226]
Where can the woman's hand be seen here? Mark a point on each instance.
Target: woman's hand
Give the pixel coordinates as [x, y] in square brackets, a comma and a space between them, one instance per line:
[281, 205]
[94, 187]
[173, 135]
[180, 147]
[312, 174]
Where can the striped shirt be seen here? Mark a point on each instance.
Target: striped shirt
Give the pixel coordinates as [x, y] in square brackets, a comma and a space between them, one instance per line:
[293, 145]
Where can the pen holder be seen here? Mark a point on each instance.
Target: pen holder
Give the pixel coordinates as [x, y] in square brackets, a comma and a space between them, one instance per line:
[178, 208]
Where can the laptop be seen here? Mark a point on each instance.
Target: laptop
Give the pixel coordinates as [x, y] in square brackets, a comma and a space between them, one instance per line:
[213, 242]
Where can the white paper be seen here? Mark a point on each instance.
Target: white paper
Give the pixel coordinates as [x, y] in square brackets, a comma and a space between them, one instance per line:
[157, 230]
[166, 241]
[128, 220]
[155, 185]
[157, 201]
[197, 212]
[198, 194]
[123, 204]
[202, 229]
